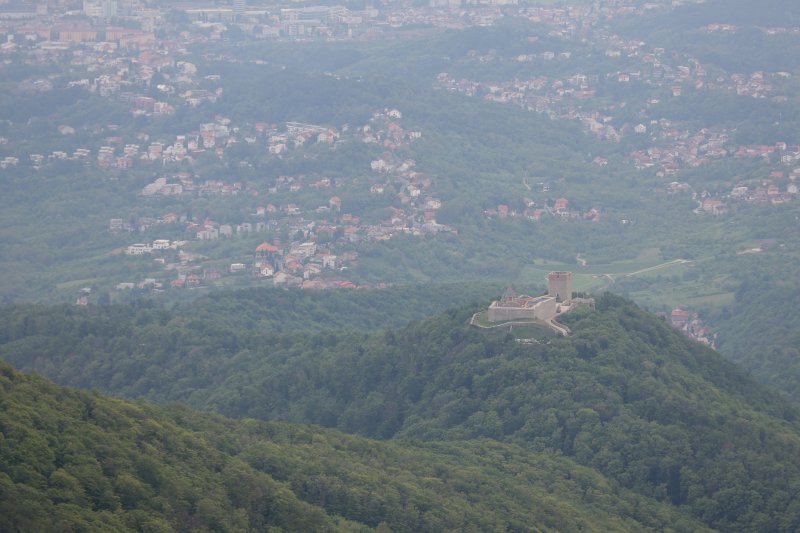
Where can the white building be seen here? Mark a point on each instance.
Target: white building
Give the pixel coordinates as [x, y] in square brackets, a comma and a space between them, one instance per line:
[138, 249]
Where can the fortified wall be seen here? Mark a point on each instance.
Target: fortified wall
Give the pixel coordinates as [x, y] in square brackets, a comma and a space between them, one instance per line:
[524, 307]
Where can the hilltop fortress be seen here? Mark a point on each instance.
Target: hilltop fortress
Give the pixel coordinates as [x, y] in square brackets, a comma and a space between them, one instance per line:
[545, 308]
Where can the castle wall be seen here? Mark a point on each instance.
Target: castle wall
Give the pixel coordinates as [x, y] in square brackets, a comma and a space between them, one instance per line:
[500, 314]
[544, 309]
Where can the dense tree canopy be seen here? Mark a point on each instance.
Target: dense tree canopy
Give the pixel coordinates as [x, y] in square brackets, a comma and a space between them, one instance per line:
[624, 394]
[74, 461]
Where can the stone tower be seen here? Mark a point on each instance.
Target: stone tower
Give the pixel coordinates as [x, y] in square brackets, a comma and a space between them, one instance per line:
[560, 286]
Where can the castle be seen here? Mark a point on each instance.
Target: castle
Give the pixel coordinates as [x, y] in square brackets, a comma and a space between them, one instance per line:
[514, 307]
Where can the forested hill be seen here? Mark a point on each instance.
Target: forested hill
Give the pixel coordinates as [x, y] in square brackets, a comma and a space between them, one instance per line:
[77, 461]
[624, 394]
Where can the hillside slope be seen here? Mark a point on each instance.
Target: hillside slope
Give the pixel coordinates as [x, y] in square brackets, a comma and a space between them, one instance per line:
[774, 354]
[74, 460]
[624, 394]
[78, 461]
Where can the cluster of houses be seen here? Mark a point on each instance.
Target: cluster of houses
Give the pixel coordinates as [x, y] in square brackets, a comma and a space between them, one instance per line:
[558, 207]
[559, 99]
[384, 128]
[9, 161]
[183, 183]
[778, 188]
[126, 61]
[672, 146]
[142, 224]
[300, 264]
[323, 235]
[678, 148]
[763, 192]
[153, 76]
[689, 324]
[117, 153]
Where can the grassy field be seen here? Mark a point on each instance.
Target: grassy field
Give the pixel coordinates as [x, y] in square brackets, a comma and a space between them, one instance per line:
[648, 279]
[688, 294]
[591, 278]
[76, 284]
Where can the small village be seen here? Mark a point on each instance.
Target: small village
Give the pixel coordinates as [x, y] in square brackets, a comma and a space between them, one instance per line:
[55, 21]
[119, 62]
[673, 148]
[558, 207]
[673, 145]
[306, 247]
[689, 323]
[778, 188]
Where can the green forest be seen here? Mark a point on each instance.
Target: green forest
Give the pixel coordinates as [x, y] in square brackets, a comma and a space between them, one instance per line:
[623, 395]
[79, 461]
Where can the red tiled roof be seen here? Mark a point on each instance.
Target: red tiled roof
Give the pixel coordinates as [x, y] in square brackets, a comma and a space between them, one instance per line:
[266, 247]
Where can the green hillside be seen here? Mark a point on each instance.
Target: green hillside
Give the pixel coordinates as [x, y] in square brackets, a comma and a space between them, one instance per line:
[624, 394]
[78, 461]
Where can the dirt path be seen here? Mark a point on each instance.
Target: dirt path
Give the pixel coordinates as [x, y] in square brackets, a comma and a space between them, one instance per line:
[558, 328]
[656, 267]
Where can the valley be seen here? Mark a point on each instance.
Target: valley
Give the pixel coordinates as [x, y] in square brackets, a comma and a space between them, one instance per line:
[250, 250]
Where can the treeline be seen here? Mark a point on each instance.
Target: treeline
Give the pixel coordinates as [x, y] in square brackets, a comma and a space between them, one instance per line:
[310, 310]
[624, 394]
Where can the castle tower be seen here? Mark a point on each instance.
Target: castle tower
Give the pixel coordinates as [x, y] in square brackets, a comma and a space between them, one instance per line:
[509, 295]
[560, 286]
